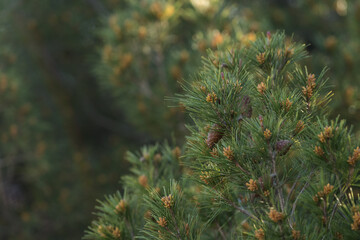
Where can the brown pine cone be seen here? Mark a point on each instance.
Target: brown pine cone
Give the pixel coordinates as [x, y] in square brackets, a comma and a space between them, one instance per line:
[214, 135]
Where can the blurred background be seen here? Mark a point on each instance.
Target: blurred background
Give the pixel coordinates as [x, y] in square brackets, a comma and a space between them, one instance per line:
[83, 81]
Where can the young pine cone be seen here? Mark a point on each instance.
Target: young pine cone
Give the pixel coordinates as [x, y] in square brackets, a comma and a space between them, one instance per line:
[214, 135]
[283, 146]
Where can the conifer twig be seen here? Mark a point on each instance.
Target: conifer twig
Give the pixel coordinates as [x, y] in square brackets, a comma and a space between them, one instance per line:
[176, 226]
[221, 231]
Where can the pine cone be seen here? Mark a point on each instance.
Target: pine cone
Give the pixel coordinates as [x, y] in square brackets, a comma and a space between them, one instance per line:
[214, 135]
[283, 146]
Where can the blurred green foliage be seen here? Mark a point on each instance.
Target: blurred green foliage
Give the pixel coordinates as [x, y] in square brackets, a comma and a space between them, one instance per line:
[150, 46]
[54, 155]
[82, 81]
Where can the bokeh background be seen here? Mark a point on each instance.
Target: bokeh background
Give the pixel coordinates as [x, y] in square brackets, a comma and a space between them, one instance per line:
[83, 81]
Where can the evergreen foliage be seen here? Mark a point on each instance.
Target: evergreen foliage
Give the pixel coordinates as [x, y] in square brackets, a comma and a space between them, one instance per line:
[62, 136]
[80, 81]
[262, 160]
[149, 47]
[332, 30]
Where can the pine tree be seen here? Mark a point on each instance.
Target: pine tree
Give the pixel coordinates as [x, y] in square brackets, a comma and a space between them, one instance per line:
[60, 132]
[262, 160]
[336, 45]
[149, 47]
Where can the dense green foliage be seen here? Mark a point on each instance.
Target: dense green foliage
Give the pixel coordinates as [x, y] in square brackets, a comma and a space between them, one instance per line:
[262, 161]
[81, 82]
[332, 30]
